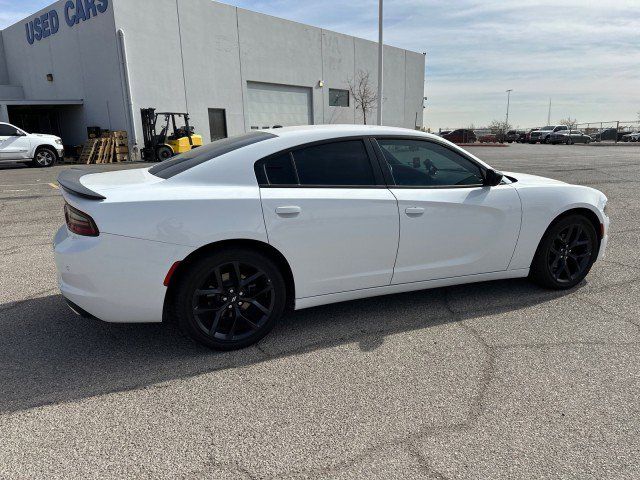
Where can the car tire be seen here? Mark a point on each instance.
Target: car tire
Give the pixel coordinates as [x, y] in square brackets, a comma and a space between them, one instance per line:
[44, 157]
[565, 254]
[230, 299]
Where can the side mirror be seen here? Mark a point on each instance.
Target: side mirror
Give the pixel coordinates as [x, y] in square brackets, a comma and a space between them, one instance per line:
[492, 178]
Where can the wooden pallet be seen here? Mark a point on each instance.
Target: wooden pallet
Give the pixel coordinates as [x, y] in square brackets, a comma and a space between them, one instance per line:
[89, 150]
[109, 148]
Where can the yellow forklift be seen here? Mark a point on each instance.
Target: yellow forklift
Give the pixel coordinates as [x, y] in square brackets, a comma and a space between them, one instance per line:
[163, 145]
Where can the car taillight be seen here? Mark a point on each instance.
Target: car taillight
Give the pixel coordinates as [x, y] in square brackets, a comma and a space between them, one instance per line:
[79, 222]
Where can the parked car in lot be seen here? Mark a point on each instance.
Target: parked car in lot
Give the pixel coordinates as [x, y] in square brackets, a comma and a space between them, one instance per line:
[488, 138]
[36, 149]
[544, 133]
[522, 136]
[461, 135]
[569, 137]
[631, 137]
[608, 134]
[514, 135]
[225, 238]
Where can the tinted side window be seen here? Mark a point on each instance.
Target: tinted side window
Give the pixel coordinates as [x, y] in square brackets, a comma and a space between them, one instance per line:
[420, 163]
[279, 170]
[340, 163]
[7, 131]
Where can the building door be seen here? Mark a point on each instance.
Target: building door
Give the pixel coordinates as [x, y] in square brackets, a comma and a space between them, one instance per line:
[217, 123]
[271, 105]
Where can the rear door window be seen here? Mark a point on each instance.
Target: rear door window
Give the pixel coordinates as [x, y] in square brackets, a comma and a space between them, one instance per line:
[335, 164]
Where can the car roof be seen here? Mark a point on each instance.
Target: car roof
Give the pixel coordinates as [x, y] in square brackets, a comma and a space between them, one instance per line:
[335, 131]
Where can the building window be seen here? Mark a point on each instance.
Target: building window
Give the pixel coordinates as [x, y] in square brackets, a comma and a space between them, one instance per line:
[338, 98]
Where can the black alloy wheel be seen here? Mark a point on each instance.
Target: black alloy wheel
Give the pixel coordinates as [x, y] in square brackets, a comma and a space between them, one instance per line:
[231, 299]
[566, 253]
[569, 254]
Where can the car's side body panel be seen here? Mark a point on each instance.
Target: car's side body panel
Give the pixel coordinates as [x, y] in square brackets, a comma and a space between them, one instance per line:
[149, 208]
[340, 238]
[115, 278]
[456, 232]
[543, 202]
[407, 287]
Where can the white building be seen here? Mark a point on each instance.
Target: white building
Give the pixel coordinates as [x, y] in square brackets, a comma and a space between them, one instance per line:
[81, 63]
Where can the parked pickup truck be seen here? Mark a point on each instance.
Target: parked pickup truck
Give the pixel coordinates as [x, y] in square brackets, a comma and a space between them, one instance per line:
[35, 149]
[544, 133]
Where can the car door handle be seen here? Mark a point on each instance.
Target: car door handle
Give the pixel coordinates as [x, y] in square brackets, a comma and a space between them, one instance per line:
[414, 211]
[290, 211]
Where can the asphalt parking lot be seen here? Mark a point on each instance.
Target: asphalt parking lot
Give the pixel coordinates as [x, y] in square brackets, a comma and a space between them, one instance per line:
[486, 381]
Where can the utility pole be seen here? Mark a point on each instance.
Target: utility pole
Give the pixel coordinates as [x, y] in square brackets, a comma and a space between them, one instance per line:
[549, 114]
[506, 122]
[380, 59]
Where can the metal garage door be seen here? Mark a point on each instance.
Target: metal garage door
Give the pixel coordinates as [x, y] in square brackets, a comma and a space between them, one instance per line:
[269, 105]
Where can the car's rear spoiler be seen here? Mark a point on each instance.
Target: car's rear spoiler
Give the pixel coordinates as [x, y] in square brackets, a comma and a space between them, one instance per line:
[69, 180]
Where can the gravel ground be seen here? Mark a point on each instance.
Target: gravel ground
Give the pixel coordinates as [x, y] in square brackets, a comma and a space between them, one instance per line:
[486, 381]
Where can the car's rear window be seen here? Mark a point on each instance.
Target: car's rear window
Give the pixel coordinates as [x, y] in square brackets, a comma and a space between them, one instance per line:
[187, 160]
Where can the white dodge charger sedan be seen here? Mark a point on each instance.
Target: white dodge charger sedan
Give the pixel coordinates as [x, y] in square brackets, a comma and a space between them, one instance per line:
[227, 237]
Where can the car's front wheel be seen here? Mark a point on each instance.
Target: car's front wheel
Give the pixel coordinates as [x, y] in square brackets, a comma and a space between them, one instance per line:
[566, 253]
[230, 299]
[44, 157]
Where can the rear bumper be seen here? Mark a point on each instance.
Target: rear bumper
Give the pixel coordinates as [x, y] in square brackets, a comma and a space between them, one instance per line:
[114, 278]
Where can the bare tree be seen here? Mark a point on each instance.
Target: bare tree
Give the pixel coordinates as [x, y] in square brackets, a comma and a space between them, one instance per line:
[499, 126]
[569, 122]
[364, 95]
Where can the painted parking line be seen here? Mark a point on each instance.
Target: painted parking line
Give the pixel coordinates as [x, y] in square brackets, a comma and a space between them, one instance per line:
[53, 185]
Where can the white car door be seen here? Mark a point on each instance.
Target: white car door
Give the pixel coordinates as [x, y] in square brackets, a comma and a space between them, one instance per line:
[14, 143]
[450, 225]
[327, 210]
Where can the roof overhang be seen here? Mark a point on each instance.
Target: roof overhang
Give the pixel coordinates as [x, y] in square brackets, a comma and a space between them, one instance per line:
[42, 102]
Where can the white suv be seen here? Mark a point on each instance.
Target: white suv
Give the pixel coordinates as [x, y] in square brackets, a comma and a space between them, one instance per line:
[37, 149]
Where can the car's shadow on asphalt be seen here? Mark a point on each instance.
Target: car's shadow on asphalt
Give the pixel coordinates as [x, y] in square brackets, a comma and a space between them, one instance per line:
[50, 355]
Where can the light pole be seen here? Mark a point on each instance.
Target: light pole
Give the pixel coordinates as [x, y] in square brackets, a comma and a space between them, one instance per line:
[506, 122]
[380, 48]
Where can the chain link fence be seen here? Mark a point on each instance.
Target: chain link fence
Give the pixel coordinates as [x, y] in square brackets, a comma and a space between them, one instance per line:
[612, 131]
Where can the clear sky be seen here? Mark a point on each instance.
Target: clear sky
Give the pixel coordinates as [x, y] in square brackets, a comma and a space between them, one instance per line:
[583, 54]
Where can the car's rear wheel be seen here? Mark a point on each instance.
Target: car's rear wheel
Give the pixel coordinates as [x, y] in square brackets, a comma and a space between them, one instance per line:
[44, 157]
[231, 299]
[566, 253]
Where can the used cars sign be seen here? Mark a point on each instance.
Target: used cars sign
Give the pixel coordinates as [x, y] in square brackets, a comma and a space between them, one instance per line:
[75, 11]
